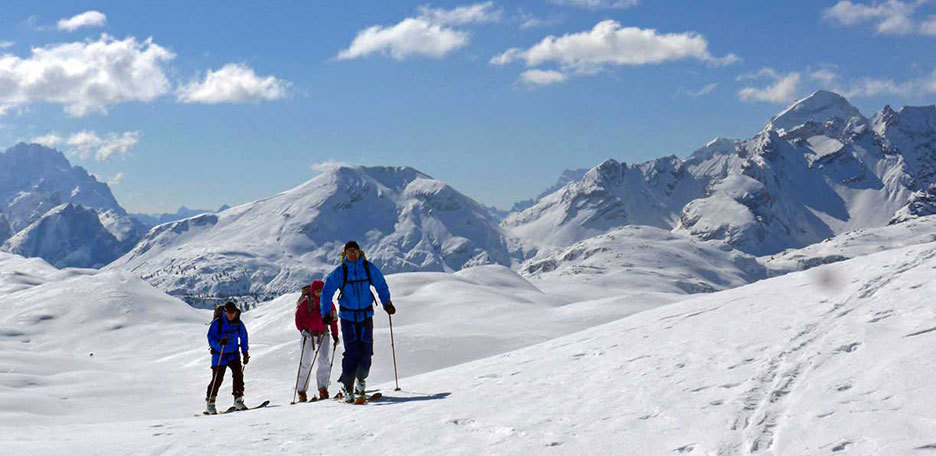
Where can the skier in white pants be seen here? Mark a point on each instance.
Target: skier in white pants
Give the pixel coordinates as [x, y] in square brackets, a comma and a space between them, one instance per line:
[315, 338]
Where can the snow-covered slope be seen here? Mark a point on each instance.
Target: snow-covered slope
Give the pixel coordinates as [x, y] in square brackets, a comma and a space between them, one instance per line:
[405, 221]
[35, 183]
[799, 364]
[643, 257]
[151, 220]
[853, 244]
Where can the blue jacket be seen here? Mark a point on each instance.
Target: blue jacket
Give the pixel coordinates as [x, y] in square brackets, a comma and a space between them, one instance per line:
[356, 293]
[236, 334]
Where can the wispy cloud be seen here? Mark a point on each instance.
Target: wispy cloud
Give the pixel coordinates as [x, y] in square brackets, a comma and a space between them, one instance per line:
[431, 34]
[328, 165]
[542, 77]
[233, 83]
[116, 179]
[48, 140]
[87, 76]
[87, 143]
[6, 44]
[83, 20]
[891, 17]
[788, 86]
[707, 90]
[783, 89]
[528, 20]
[597, 4]
[479, 13]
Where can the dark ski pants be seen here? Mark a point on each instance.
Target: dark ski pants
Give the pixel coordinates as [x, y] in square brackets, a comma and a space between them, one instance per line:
[358, 338]
[217, 376]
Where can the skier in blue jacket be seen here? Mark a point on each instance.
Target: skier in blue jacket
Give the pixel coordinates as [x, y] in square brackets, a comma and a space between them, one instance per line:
[227, 337]
[352, 279]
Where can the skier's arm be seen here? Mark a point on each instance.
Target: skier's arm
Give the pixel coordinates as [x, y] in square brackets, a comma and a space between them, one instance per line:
[243, 338]
[334, 329]
[299, 308]
[213, 330]
[383, 292]
[332, 282]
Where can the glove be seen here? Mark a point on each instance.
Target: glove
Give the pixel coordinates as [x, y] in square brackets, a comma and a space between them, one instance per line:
[246, 358]
[388, 306]
[305, 333]
[328, 319]
[336, 339]
[224, 341]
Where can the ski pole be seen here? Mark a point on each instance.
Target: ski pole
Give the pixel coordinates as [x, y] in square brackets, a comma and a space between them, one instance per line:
[299, 370]
[332, 362]
[393, 348]
[214, 377]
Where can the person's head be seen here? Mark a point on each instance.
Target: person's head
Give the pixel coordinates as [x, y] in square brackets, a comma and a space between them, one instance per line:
[230, 310]
[305, 290]
[316, 288]
[352, 251]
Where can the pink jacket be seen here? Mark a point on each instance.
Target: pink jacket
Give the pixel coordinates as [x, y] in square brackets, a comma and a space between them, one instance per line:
[308, 315]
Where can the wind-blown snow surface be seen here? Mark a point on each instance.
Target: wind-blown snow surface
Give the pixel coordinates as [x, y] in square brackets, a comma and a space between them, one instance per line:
[836, 358]
[405, 220]
[647, 258]
[853, 244]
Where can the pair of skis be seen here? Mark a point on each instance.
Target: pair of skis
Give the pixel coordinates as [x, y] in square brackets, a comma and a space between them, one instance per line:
[338, 397]
[234, 409]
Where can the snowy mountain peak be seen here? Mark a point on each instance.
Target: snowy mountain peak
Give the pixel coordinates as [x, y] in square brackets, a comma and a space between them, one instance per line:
[608, 172]
[403, 218]
[825, 108]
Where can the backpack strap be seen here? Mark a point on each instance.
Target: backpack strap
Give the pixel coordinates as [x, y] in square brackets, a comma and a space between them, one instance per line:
[344, 280]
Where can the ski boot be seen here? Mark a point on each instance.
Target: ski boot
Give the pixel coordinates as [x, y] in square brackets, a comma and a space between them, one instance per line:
[323, 393]
[210, 408]
[347, 394]
[360, 396]
[239, 403]
[302, 397]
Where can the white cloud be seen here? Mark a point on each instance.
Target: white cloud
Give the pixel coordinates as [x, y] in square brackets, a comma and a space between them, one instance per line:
[825, 76]
[928, 27]
[597, 4]
[328, 165]
[479, 13]
[762, 73]
[48, 140]
[528, 21]
[116, 179]
[429, 35]
[542, 77]
[870, 87]
[85, 19]
[708, 89]
[892, 17]
[783, 89]
[87, 142]
[610, 44]
[6, 44]
[86, 76]
[233, 83]
[411, 37]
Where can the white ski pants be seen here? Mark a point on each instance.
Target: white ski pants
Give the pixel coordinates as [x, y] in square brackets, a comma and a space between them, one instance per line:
[321, 365]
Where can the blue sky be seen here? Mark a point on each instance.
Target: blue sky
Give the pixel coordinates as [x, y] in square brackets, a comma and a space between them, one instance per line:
[229, 102]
